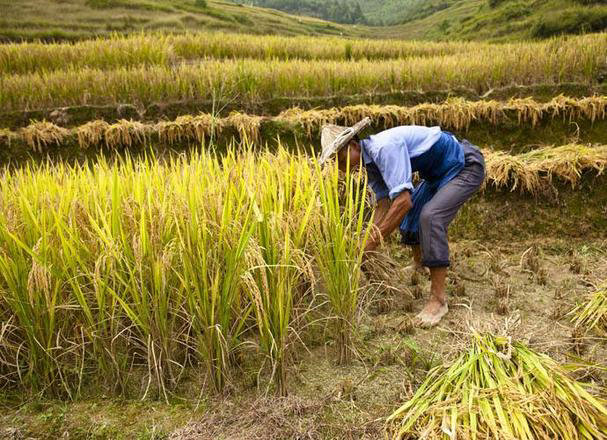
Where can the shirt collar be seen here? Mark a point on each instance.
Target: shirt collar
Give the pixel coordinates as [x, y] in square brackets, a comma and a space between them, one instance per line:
[366, 157]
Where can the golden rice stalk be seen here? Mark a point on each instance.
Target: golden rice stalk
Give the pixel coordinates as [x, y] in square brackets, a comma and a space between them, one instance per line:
[248, 126]
[567, 162]
[527, 110]
[309, 120]
[189, 127]
[563, 106]
[453, 114]
[592, 314]
[91, 133]
[535, 169]
[39, 135]
[504, 170]
[593, 107]
[499, 389]
[126, 133]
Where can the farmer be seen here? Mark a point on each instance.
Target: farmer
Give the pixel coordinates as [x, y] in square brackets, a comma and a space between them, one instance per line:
[451, 172]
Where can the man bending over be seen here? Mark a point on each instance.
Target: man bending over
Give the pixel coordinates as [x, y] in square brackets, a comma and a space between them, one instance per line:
[451, 172]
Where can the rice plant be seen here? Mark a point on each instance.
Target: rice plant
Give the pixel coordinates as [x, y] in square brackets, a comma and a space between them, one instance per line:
[342, 234]
[278, 261]
[499, 389]
[535, 170]
[213, 239]
[40, 135]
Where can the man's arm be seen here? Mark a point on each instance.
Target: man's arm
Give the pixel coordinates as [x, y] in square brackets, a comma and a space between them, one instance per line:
[392, 218]
[381, 209]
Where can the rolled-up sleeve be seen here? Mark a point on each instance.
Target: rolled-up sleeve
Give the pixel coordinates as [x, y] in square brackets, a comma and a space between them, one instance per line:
[394, 164]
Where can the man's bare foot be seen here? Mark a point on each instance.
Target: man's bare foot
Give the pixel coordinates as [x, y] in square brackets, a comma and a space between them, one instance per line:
[432, 313]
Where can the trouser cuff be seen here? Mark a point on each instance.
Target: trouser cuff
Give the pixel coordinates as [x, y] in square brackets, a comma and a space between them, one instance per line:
[436, 263]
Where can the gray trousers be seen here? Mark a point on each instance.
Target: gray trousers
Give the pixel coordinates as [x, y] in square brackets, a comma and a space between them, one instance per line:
[440, 210]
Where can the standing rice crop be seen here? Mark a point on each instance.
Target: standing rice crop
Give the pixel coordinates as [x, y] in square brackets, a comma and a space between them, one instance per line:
[252, 80]
[341, 236]
[213, 239]
[278, 261]
[499, 389]
[166, 50]
[125, 274]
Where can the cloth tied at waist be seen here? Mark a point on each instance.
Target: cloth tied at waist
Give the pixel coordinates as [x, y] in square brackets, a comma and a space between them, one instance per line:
[436, 167]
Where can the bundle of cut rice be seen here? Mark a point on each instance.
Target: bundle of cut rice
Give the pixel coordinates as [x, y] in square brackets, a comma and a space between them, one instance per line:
[592, 314]
[500, 389]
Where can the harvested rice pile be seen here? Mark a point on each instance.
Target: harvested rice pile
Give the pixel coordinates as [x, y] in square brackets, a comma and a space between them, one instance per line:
[499, 389]
[592, 315]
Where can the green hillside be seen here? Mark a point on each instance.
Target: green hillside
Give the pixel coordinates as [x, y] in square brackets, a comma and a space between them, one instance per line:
[339, 11]
[77, 19]
[387, 12]
[405, 19]
[460, 19]
[373, 12]
[498, 19]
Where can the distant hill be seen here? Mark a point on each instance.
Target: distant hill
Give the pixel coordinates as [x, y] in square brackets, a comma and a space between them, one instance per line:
[387, 12]
[502, 19]
[339, 11]
[496, 20]
[77, 19]
[373, 12]
[460, 19]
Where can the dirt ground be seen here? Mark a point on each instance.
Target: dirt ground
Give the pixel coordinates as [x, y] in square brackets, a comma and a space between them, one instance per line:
[527, 287]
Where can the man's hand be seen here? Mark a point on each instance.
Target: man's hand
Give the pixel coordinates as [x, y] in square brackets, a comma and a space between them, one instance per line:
[390, 220]
[373, 240]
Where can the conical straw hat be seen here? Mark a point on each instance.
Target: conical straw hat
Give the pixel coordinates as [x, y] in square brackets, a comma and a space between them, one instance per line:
[333, 138]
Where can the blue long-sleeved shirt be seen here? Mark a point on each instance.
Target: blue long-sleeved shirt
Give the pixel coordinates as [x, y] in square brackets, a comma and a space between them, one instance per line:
[387, 157]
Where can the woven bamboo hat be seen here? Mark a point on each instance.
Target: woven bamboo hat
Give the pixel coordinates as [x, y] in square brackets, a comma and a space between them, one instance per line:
[333, 138]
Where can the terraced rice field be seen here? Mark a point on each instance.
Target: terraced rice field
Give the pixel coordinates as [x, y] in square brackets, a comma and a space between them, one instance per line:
[166, 234]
